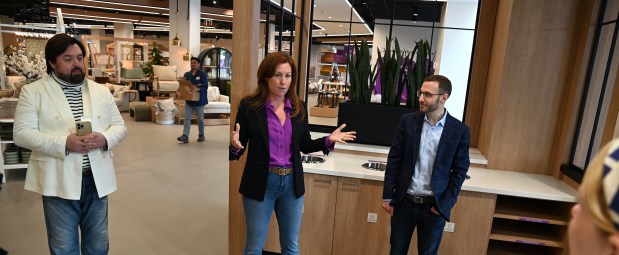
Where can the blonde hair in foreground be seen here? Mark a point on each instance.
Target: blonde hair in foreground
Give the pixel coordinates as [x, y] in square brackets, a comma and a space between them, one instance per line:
[593, 192]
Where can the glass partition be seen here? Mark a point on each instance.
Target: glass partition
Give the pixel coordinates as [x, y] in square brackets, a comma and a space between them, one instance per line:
[448, 26]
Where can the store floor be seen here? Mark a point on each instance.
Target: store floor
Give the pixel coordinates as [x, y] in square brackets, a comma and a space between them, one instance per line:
[172, 198]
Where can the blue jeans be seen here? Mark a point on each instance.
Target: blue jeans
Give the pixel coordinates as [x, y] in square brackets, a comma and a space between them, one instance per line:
[408, 215]
[63, 217]
[280, 196]
[189, 110]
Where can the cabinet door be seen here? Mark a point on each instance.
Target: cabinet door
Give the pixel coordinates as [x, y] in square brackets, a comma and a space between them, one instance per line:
[316, 235]
[472, 216]
[353, 233]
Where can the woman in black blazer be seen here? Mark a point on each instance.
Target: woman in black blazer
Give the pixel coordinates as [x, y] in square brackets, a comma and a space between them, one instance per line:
[274, 120]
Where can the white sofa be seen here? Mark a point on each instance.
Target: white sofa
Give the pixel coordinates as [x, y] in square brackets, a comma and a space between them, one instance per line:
[123, 95]
[217, 105]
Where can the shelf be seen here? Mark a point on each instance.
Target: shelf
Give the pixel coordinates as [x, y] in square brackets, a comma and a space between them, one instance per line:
[16, 166]
[532, 210]
[527, 233]
[508, 248]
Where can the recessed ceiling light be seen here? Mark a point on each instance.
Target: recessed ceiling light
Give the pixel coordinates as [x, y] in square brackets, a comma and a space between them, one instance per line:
[330, 17]
[315, 5]
[341, 25]
[214, 2]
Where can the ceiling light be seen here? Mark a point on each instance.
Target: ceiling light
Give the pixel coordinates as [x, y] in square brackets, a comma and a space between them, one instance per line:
[330, 17]
[341, 25]
[214, 2]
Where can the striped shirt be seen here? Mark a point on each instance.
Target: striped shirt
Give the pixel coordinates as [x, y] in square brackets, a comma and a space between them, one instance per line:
[73, 92]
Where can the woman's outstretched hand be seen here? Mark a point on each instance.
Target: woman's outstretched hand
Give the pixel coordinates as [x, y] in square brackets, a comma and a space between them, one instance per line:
[342, 137]
[234, 138]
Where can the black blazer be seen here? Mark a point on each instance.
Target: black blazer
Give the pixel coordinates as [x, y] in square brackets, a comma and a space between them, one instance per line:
[254, 130]
[450, 165]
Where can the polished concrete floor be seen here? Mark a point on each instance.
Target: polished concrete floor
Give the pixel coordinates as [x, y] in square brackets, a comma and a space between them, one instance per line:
[172, 198]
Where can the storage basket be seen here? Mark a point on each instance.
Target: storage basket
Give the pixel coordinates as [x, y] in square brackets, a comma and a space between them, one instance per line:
[7, 107]
[165, 118]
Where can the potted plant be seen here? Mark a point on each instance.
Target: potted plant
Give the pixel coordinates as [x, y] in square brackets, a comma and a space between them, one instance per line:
[376, 123]
[362, 77]
[156, 59]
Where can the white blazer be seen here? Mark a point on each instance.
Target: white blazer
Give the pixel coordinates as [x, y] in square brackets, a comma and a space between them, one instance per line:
[43, 120]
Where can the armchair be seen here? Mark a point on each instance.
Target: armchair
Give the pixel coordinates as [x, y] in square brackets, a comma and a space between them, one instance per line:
[217, 104]
[164, 80]
[123, 95]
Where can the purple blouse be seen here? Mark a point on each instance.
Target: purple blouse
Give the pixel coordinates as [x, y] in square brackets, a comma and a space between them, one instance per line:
[280, 137]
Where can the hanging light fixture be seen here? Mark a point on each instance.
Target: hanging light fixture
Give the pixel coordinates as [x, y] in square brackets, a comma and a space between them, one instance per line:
[176, 41]
[187, 56]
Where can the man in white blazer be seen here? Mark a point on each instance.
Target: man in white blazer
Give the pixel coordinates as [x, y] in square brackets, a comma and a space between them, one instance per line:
[74, 174]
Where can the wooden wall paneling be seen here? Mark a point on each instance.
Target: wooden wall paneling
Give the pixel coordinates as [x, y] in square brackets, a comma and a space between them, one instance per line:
[353, 234]
[527, 83]
[573, 93]
[245, 66]
[479, 70]
[472, 216]
[491, 95]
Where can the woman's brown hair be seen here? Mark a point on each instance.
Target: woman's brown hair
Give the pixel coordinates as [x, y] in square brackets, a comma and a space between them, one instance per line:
[266, 70]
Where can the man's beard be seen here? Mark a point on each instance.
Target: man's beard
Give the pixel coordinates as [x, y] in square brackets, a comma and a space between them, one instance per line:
[432, 107]
[71, 77]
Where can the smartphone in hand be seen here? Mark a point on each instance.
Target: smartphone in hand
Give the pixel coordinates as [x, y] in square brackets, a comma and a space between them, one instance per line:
[83, 128]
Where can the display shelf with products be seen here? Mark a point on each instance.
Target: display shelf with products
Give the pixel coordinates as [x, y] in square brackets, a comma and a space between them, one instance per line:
[217, 63]
[327, 59]
[13, 157]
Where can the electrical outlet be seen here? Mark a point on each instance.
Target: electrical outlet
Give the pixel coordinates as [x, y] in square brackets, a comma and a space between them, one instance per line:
[450, 227]
[372, 217]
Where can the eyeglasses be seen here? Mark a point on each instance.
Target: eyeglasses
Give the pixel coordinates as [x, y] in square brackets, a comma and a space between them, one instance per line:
[427, 94]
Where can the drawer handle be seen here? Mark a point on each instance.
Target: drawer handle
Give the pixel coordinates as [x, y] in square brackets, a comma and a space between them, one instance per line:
[324, 181]
[351, 184]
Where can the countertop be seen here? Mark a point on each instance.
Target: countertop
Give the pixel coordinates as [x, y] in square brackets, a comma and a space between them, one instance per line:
[345, 164]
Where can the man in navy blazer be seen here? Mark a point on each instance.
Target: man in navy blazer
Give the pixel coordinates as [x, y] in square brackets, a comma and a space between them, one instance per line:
[426, 166]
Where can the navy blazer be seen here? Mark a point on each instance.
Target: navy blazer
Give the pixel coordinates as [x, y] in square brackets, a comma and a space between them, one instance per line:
[450, 165]
[254, 129]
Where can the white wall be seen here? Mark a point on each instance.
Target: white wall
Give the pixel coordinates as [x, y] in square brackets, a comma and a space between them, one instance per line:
[454, 52]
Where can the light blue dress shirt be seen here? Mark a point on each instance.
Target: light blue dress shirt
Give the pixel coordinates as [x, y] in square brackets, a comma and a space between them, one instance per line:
[430, 137]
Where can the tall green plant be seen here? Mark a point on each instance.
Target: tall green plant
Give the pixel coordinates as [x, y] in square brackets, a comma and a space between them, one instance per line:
[422, 68]
[156, 59]
[361, 78]
[391, 73]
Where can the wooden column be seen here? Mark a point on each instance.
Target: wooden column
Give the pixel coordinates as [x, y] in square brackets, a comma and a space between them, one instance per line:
[301, 43]
[245, 65]
[479, 70]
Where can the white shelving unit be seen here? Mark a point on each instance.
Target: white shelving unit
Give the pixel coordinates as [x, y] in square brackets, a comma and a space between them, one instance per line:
[4, 143]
